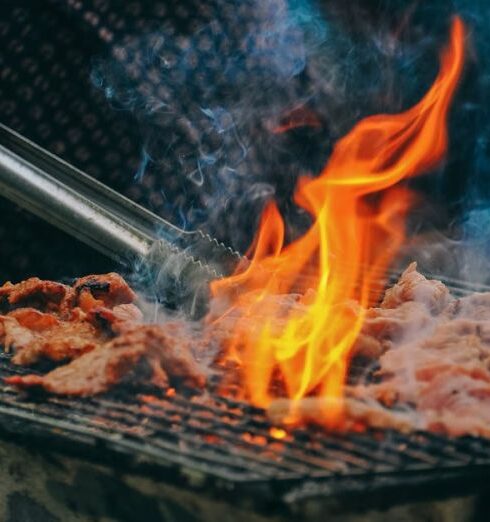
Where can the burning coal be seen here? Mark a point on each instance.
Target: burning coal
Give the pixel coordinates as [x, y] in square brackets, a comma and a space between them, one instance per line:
[358, 209]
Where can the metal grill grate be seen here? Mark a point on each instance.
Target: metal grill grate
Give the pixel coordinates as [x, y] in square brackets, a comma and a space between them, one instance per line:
[229, 440]
[224, 441]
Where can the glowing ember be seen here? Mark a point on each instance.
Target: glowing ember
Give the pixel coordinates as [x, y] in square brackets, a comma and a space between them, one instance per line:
[358, 225]
[277, 433]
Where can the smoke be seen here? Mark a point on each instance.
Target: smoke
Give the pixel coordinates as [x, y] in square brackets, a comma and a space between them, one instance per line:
[452, 237]
[469, 163]
[459, 254]
[203, 100]
[235, 100]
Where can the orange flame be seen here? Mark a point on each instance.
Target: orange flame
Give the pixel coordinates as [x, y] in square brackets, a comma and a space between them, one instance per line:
[355, 234]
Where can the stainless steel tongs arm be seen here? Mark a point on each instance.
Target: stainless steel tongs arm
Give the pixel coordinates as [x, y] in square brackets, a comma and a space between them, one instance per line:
[89, 210]
[104, 219]
[75, 202]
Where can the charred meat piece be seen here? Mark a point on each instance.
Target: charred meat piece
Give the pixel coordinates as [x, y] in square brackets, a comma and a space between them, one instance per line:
[67, 321]
[97, 371]
[117, 319]
[33, 292]
[106, 290]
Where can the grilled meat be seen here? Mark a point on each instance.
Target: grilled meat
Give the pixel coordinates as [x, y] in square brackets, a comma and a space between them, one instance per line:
[357, 412]
[414, 287]
[108, 290]
[148, 346]
[432, 350]
[435, 356]
[409, 306]
[34, 337]
[95, 325]
[33, 292]
[60, 322]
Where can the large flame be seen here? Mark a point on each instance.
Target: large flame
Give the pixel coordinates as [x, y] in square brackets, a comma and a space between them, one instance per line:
[358, 225]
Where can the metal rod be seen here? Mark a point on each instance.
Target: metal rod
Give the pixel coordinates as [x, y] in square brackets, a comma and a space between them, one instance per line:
[69, 209]
[87, 187]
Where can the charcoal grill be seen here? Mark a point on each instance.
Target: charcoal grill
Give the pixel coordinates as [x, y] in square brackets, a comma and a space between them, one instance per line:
[143, 454]
[136, 453]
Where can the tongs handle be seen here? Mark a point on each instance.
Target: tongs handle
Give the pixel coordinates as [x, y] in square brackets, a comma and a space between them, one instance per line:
[179, 262]
[40, 193]
[75, 202]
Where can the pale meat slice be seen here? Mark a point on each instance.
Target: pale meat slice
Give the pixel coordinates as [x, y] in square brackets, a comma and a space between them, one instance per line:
[457, 402]
[413, 286]
[382, 327]
[441, 365]
[407, 307]
[313, 410]
[446, 345]
[99, 370]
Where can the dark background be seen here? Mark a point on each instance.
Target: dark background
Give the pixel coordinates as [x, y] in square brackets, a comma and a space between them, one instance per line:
[72, 78]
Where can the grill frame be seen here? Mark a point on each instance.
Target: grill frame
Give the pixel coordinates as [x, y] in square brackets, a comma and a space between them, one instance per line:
[198, 442]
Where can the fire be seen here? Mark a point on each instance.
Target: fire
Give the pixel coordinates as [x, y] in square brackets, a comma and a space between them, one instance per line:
[295, 317]
[277, 433]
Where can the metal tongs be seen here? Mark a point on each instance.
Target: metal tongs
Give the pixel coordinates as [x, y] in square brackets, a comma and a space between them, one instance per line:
[178, 263]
